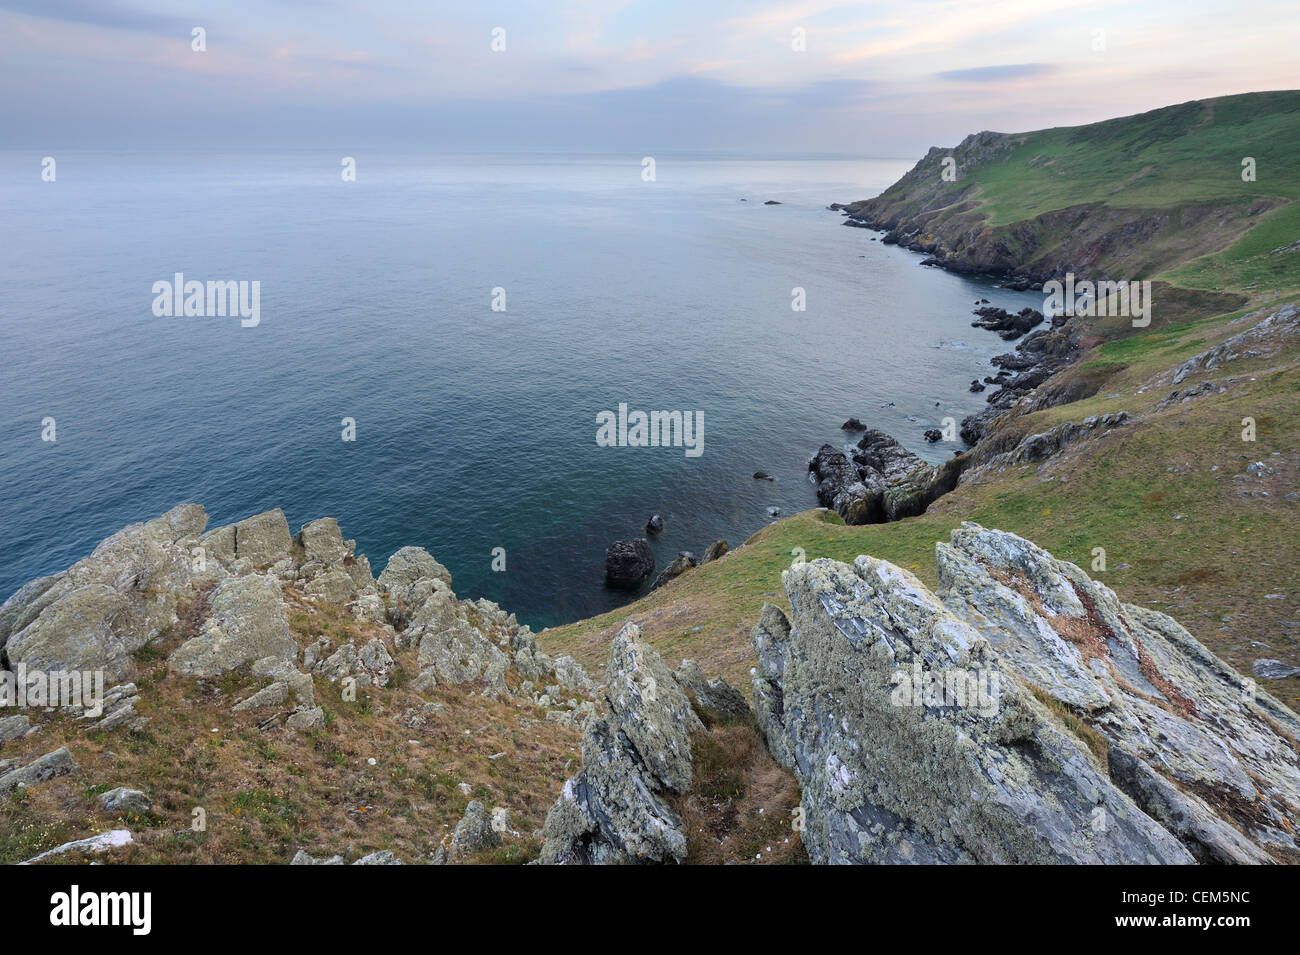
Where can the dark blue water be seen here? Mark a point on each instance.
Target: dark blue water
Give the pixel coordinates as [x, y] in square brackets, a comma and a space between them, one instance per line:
[475, 429]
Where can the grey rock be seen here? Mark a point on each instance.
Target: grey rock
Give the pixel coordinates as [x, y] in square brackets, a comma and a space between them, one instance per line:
[123, 799]
[277, 694]
[714, 695]
[14, 727]
[47, 767]
[461, 654]
[1269, 669]
[615, 809]
[912, 745]
[473, 834]
[628, 563]
[247, 621]
[382, 857]
[408, 566]
[310, 718]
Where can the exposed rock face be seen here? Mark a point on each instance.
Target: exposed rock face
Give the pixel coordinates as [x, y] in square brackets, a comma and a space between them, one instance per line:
[628, 563]
[1267, 669]
[715, 550]
[1264, 339]
[96, 613]
[614, 810]
[715, 695]
[474, 833]
[911, 725]
[248, 622]
[123, 799]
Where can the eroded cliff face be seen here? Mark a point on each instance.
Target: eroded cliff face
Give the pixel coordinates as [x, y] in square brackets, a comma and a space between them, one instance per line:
[1023, 714]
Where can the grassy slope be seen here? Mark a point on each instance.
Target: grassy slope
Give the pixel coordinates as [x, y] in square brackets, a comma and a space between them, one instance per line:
[1179, 536]
[1170, 159]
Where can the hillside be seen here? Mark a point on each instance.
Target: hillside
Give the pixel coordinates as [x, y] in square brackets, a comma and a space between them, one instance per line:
[1193, 519]
[1139, 197]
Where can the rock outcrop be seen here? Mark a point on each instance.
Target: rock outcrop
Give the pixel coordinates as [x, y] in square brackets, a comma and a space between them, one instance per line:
[1023, 714]
[634, 758]
[878, 481]
[628, 563]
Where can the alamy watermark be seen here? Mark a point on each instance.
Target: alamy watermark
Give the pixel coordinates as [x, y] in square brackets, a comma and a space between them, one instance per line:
[653, 429]
[78, 689]
[1101, 299]
[194, 299]
[976, 689]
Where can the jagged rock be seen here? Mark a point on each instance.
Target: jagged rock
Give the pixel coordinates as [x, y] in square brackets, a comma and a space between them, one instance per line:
[461, 654]
[853, 424]
[614, 810]
[882, 482]
[1267, 669]
[322, 540]
[933, 434]
[715, 550]
[49, 766]
[104, 607]
[1008, 326]
[263, 537]
[123, 799]
[572, 676]
[628, 563]
[247, 621]
[655, 525]
[529, 659]
[474, 833]
[1206, 836]
[770, 636]
[409, 566]
[1261, 340]
[715, 694]
[376, 661]
[1135, 676]
[335, 586]
[912, 745]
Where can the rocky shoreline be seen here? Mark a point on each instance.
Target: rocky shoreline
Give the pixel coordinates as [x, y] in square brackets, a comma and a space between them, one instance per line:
[878, 480]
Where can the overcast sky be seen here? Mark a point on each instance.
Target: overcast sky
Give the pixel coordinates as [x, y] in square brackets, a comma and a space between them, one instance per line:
[874, 79]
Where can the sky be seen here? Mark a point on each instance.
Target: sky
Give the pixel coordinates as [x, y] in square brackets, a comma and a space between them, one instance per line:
[736, 77]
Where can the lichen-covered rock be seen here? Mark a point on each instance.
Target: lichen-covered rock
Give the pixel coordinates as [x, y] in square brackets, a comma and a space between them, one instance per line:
[49, 766]
[912, 745]
[322, 540]
[474, 833]
[263, 537]
[715, 695]
[1135, 676]
[409, 566]
[615, 810]
[123, 799]
[247, 622]
[333, 586]
[96, 613]
[461, 654]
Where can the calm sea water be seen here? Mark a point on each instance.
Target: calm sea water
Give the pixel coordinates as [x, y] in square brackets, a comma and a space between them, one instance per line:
[475, 428]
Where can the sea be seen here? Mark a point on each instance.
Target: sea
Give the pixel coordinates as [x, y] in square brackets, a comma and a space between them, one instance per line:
[435, 341]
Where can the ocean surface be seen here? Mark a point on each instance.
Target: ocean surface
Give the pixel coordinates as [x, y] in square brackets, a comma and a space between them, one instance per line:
[475, 428]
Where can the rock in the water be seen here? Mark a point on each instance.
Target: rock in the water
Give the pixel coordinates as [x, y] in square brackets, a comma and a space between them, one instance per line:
[763, 476]
[248, 621]
[655, 525]
[933, 434]
[853, 424]
[614, 810]
[628, 563]
[883, 481]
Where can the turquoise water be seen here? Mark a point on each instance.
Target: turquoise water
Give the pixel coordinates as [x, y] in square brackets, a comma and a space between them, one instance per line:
[475, 429]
